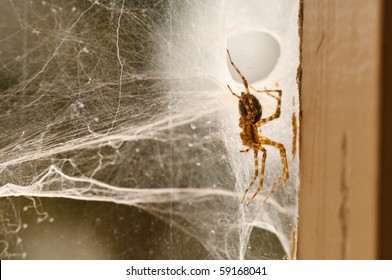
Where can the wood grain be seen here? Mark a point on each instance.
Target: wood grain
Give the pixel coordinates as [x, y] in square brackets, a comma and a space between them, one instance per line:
[340, 102]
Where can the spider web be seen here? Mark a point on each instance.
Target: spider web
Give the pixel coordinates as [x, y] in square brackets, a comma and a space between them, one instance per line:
[126, 102]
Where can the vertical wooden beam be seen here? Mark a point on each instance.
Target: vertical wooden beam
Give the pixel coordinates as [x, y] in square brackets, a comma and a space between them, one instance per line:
[385, 196]
[340, 102]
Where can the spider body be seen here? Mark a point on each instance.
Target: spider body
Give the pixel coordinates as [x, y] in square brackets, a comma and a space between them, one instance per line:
[251, 119]
[249, 134]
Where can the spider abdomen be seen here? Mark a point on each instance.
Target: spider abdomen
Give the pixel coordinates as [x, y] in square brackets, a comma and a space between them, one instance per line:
[256, 104]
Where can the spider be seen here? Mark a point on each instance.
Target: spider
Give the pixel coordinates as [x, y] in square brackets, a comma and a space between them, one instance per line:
[251, 119]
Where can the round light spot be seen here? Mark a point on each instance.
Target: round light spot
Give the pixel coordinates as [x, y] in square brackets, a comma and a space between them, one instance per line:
[255, 53]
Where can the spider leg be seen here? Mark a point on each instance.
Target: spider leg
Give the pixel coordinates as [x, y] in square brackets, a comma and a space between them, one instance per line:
[249, 108]
[277, 112]
[233, 92]
[285, 172]
[245, 151]
[239, 73]
[261, 175]
[268, 92]
[255, 176]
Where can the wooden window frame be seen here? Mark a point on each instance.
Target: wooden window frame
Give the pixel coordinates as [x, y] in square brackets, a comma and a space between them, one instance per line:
[343, 163]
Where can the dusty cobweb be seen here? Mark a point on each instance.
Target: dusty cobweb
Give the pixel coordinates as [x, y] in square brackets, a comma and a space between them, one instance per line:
[126, 102]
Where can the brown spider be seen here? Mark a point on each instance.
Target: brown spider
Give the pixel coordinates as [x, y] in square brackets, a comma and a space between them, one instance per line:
[250, 120]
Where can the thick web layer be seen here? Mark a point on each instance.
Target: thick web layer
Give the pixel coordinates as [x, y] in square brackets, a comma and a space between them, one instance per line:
[126, 102]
